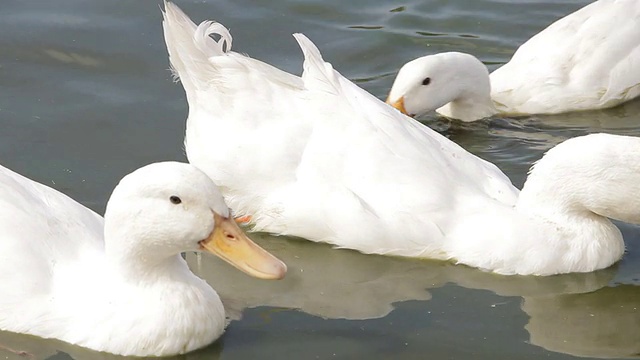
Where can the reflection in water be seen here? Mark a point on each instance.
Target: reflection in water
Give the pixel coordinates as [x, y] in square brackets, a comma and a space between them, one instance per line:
[602, 324]
[429, 34]
[71, 58]
[322, 281]
[84, 87]
[32, 348]
[574, 313]
[343, 284]
[366, 27]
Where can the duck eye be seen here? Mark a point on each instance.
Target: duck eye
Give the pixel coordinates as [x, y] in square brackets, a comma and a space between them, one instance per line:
[175, 200]
[426, 81]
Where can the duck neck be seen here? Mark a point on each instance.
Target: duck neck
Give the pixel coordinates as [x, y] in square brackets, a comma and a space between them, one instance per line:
[594, 176]
[470, 105]
[577, 187]
[136, 270]
[165, 308]
[170, 309]
[582, 240]
[567, 212]
[139, 254]
[470, 90]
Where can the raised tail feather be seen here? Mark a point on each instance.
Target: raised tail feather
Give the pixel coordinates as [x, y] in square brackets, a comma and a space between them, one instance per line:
[191, 46]
[318, 73]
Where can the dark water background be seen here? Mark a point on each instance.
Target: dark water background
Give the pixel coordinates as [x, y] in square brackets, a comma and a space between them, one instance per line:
[85, 97]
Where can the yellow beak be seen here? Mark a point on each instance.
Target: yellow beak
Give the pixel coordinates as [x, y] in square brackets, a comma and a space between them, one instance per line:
[398, 104]
[231, 244]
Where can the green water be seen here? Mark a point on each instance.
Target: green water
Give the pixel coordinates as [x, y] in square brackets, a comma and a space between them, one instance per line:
[85, 97]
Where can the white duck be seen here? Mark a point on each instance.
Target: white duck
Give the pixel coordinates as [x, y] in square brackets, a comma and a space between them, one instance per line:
[587, 60]
[320, 158]
[119, 285]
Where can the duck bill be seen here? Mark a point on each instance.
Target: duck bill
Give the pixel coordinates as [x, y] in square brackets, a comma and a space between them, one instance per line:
[231, 244]
[398, 104]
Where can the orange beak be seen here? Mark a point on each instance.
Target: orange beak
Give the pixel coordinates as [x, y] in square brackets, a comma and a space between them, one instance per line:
[398, 104]
[231, 244]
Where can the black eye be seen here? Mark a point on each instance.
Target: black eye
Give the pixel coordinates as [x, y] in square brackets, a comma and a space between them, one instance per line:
[426, 81]
[175, 200]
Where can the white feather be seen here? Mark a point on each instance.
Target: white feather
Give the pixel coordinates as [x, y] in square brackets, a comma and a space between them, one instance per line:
[117, 285]
[329, 162]
[587, 60]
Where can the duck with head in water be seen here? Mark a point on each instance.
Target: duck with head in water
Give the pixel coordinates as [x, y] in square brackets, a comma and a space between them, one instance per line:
[319, 158]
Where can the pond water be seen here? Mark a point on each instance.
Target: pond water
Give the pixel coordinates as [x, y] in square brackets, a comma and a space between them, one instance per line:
[86, 97]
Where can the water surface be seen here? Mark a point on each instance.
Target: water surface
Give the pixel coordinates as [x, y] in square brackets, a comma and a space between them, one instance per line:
[85, 97]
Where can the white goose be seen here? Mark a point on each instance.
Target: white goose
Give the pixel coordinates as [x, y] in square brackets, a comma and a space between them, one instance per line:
[119, 285]
[320, 158]
[587, 60]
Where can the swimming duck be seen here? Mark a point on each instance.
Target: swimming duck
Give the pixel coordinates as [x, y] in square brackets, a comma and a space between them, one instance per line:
[319, 158]
[587, 60]
[120, 285]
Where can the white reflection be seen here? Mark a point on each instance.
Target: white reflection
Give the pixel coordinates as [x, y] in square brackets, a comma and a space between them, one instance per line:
[603, 324]
[575, 313]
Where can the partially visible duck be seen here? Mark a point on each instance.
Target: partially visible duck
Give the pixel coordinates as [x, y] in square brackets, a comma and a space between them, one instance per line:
[587, 60]
[120, 285]
[320, 158]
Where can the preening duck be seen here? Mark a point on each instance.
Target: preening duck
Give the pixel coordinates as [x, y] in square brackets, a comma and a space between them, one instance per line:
[320, 158]
[120, 285]
[587, 60]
